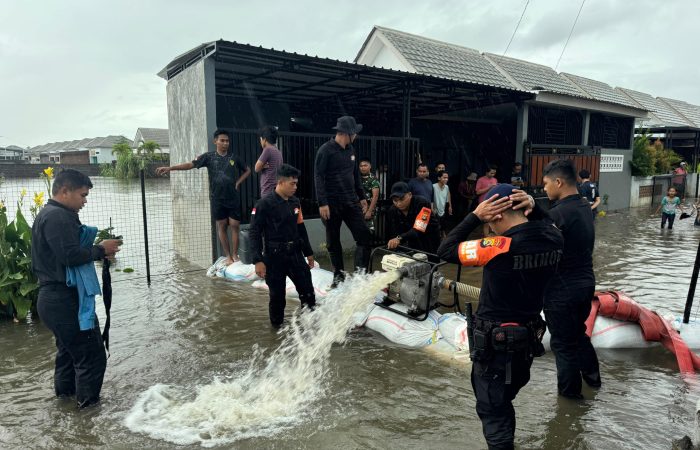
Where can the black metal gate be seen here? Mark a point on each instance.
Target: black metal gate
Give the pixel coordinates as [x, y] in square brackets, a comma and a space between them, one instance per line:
[392, 158]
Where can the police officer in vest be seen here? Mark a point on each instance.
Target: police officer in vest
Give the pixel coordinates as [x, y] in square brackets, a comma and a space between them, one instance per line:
[278, 220]
[507, 329]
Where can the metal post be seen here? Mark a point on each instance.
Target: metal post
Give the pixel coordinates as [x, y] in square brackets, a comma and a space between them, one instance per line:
[691, 288]
[142, 175]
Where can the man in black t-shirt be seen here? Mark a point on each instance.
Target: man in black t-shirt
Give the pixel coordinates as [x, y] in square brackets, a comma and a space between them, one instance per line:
[589, 190]
[567, 302]
[226, 173]
[411, 222]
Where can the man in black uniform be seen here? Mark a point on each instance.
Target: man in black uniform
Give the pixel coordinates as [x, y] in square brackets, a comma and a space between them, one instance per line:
[507, 331]
[341, 197]
[226, 173]
[568, 298]
[278, 220]
[80, 359]
[411, 222]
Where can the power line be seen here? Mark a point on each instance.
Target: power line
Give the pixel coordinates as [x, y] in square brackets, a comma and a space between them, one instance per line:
[570, 33]
[516, 28]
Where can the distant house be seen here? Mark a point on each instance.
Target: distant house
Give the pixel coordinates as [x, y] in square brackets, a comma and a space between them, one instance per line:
[12, 153]
[160, 136]
[98, 150]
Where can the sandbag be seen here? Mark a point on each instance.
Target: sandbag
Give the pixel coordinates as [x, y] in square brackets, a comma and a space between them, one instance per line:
[402, 330]
[453, 328]
[320, 278]
[236, 271]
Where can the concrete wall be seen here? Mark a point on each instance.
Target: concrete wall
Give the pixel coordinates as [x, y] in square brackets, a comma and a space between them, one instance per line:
[76, 157]
[617, 184]
[635, 200]
[191, 120]
[23, 170]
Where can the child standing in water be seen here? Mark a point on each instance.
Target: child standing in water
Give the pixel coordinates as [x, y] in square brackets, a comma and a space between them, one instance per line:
[668, 208]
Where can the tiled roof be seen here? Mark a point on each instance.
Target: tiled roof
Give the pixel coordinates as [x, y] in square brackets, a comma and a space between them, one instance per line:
[689, 112]
[533, 76]
[599, 90]
[441, 59]
[431, 57]
[660, 113]
[86, 143]
[159, 135]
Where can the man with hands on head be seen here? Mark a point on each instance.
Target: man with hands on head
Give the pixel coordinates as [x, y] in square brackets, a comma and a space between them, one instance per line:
[507, 328]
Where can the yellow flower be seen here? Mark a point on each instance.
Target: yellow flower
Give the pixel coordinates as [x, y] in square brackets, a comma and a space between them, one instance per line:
[2, 205]
[39, 198]
[23, 193]
[48, 172]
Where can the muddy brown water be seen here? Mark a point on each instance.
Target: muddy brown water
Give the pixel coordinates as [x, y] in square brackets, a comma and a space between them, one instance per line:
[186, 330]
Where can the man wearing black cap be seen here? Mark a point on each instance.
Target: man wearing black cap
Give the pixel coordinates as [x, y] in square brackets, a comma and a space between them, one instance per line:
[507, 328]
[341, 197]
[411, 222]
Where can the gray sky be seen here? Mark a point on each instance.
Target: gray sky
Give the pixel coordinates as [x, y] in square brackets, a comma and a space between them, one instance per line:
[75, 69]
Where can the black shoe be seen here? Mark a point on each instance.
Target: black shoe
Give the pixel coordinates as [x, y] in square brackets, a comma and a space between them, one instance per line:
[276, 326]
[593, 379]
[572, 396]
[338, 278]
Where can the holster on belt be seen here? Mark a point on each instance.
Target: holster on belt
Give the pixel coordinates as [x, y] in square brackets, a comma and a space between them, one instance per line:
[509, 338]
[276, 248]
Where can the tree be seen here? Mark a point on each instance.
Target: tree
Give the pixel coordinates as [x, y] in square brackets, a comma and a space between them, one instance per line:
[127, 165]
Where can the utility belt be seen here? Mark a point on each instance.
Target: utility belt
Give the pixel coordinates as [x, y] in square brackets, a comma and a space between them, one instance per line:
[490, 337]
[277, 248]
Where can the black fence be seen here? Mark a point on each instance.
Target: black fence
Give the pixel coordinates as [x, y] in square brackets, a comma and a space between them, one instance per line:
[139, 210]
[392, 158]
[142, 210]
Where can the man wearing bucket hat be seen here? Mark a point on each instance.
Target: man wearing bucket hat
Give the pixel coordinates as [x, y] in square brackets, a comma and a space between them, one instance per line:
[341, 197]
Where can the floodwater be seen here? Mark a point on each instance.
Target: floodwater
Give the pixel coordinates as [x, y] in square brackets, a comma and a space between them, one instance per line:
[190, 332]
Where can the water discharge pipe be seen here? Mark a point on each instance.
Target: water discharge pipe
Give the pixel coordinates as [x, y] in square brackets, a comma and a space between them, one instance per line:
[460, 288]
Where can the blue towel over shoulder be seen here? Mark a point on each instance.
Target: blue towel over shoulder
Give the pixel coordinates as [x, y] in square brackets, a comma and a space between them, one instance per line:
[84, 278]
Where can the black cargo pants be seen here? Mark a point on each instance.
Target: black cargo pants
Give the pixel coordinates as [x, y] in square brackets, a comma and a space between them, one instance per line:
[494, 398]
[81, 359]
[566, 311]
[351, 214]
[280, 264]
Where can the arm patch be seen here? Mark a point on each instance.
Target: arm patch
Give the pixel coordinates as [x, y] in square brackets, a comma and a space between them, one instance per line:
[481, 251]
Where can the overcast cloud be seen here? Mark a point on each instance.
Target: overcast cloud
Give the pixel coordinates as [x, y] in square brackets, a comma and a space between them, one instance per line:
[76, 69]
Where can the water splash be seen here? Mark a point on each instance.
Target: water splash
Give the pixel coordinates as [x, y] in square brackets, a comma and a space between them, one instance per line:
[274, 393]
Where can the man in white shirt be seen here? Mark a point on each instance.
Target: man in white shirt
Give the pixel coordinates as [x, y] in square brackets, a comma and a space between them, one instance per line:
[442, 200]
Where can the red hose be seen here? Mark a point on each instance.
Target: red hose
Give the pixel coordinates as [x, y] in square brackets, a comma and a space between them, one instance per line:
[654, 327]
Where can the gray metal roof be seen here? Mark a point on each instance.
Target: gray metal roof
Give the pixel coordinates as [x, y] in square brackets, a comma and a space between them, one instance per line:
[432, 57]
[688, 111]
[660, 113]
[161, 136]
[86, 143]
[536, 77]
[599, 90]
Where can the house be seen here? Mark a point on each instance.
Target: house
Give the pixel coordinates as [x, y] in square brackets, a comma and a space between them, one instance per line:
[99, 150]
[419, 100]
[12, 153]
[160, 136]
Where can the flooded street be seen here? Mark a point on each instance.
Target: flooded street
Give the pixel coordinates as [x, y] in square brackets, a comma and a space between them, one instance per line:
[188, 331]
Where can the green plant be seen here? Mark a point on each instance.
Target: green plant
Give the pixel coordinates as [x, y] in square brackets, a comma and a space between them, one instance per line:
[18, 285]
[651, 159]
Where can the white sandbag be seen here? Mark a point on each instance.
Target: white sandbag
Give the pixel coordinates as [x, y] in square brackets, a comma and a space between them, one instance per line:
[239, 272]
[613, 333]
[320, 278]
[453, 328]
[402, 330]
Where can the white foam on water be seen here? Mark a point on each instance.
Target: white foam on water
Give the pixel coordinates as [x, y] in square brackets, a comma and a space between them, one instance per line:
[274, 393]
